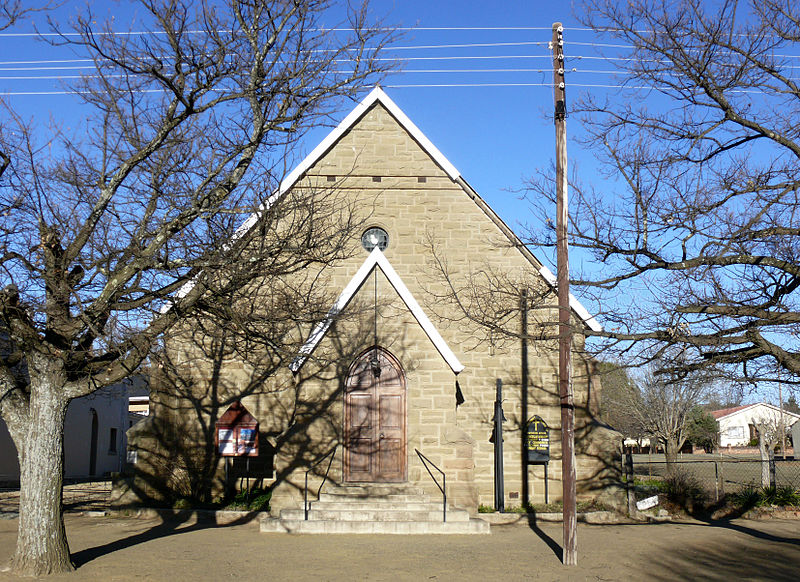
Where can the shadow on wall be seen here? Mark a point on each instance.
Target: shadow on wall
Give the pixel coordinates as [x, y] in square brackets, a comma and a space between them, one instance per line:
[204, 372]
[598, 447]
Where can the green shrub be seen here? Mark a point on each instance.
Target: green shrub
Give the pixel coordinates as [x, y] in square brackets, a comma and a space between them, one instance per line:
[747, 497]
[558, 507]
[182, 503]
[485, 508]
[783, 496]
[256, 499]
[752, 496]
[517, 509]
[684, 490]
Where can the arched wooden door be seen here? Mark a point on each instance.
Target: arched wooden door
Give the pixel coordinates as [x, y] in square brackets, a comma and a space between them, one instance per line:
[375, 420]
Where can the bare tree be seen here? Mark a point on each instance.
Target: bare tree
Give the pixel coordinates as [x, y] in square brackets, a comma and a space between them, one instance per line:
[11, 11]
[113, 236]
[620, 396]
[697, 216]
[769, 431]
[661, 405]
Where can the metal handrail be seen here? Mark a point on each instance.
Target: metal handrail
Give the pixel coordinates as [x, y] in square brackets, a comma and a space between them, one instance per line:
[331, 454]
[443, 487]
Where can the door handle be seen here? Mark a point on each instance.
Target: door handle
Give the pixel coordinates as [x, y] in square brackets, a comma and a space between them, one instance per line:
[382, 436]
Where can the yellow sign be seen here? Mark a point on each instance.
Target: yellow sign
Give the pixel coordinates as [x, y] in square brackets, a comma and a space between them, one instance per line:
[537, 440]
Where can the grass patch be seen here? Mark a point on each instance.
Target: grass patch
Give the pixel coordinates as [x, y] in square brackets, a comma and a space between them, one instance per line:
[650, 486]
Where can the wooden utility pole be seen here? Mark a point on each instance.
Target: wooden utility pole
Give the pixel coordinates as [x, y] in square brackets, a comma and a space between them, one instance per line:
[570, 551]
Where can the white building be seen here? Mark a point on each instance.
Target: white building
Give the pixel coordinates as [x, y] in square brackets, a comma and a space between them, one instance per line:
[737, 425]
[94, 436]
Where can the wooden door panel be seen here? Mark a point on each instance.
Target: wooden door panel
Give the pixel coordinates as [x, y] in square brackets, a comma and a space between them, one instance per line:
[361, 417]
[391, 412]
[390, 459]
[360, 458]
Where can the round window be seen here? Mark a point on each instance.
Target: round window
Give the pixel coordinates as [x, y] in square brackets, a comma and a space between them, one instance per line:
[375, 237]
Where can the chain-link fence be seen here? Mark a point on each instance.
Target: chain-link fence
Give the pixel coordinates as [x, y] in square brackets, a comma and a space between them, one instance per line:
[721, 474]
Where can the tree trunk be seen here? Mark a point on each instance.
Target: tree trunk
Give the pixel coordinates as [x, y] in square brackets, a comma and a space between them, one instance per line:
[42, 542]
[763, 449]
[671, 455]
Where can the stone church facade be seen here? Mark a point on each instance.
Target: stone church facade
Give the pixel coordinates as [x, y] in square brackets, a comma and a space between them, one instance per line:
[424, 319]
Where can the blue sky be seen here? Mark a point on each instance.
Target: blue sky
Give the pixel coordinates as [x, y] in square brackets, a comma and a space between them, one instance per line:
[495, 135]
[490, 116]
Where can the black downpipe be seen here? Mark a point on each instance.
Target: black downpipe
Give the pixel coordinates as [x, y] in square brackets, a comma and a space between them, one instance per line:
[497, 437]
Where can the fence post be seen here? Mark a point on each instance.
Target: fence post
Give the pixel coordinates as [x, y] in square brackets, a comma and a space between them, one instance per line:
[772, 480]
[629, 482]
[720, 471]
[716, 482]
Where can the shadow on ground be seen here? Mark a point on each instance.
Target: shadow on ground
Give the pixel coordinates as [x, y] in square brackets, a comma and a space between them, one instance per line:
[551, 543]
[168, 527]
[730, 558]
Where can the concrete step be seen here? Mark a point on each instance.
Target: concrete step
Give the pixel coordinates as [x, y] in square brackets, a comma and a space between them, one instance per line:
[338, 514]
[473, 526]
[391, 497]
[366, 504]
[375, 509]
[375, 490]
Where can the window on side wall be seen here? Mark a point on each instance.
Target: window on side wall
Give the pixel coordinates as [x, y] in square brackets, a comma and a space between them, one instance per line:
[112, 441]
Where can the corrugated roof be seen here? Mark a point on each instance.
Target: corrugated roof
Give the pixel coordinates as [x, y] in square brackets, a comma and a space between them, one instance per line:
[726, 411]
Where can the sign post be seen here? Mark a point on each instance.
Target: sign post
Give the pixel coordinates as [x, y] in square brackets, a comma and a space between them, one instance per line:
[537, 446]
[236, 435]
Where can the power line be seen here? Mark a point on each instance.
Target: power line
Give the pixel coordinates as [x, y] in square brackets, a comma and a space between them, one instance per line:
[419, 85]
[467, 45]
[224, 31]
[406, 59]
[402, 72]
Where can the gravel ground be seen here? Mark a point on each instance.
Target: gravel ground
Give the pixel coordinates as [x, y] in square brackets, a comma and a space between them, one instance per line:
[124, 549]
[88, 496]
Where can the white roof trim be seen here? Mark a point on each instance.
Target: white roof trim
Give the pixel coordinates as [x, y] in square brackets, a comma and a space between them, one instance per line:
[576, 305]
[748, 409]
[377, 258]
[376, 95]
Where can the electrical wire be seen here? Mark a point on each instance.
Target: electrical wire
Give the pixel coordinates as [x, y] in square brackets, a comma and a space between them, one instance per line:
[72, 67]
[224, 31]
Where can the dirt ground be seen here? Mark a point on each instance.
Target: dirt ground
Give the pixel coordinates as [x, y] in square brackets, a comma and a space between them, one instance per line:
[114, 548]
[88, 496]
[122, 548]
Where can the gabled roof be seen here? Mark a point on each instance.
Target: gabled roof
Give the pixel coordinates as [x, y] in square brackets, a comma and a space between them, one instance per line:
[377, 259]
[377, 95]
[726, 412]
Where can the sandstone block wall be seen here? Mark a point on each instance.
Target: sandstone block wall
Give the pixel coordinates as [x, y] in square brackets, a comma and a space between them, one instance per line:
[391, 182]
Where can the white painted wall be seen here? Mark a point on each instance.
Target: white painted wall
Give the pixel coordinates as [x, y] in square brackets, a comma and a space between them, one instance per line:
[734, 428]
[111, 406]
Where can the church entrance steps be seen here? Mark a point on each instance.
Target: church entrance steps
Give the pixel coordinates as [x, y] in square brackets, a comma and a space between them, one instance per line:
[375, 509]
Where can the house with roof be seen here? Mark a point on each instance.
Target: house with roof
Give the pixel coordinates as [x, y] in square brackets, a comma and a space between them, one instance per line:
[737, 425]
[394, 381]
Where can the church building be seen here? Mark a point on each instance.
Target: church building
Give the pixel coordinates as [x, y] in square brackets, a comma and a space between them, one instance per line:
[435, 309]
